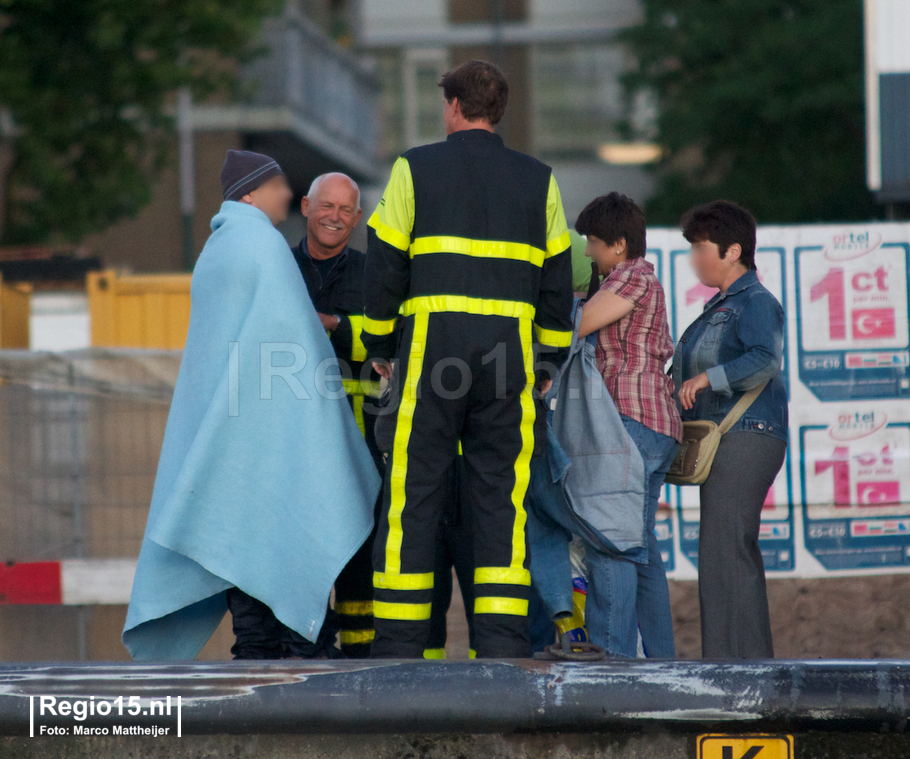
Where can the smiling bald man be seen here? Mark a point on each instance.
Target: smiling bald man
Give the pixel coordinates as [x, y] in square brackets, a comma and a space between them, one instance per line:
[333, 273]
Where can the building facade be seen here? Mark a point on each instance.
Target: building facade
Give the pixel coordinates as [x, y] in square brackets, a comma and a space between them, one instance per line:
[307, 101]
[563, 63]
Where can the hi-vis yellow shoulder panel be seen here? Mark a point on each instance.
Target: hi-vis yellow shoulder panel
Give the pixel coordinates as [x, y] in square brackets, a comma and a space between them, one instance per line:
[558, 239]
[745, 747]
[393, 218]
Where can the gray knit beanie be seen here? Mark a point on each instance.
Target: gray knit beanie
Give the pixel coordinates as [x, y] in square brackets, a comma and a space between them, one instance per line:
[244, 171]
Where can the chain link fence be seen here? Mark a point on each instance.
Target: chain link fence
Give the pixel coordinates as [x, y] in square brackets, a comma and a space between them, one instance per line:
[82, 436]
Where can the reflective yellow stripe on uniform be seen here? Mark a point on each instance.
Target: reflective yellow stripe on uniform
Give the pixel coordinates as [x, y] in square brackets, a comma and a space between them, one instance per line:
[358, 390]
[501, 576]
[389, 234]
[558, 244]
[523, 461]
[386, 581]
[464, 246]
[397, 497]
[358, 351]
[393, 220]
[378, 326]
[354, 608]
[384, 610]
[557, 231]
[515, 573]
[434, 653]
[362, 387]
[463, 304]
[357, 637]
[497, 605]
[555, 337]
[357, 404]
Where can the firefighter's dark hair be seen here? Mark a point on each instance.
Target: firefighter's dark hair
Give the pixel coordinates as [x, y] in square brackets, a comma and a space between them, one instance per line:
[481, 89]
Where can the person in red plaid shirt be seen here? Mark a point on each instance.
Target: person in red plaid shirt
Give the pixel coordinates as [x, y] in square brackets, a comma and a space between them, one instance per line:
[628, 313]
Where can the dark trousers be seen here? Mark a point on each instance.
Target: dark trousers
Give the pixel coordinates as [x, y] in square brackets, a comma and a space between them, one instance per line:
[454, 389]
[261, 635]
[454, 549]
[354, 602]
[354, 586]
[735, 623]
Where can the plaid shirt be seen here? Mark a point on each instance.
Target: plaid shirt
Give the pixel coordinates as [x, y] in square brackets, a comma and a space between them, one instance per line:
[633, 351]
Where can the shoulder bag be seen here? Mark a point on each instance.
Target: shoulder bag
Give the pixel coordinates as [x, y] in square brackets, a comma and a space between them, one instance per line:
[701, 438]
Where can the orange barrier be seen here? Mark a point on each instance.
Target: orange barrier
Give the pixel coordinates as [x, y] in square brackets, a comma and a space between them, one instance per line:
[15, 307]
[139, 310]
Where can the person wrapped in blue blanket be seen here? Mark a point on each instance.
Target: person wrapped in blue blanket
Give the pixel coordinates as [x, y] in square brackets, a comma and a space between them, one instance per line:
[265, 487]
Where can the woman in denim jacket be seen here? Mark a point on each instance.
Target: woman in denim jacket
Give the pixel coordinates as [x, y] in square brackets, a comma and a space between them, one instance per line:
[735, 345]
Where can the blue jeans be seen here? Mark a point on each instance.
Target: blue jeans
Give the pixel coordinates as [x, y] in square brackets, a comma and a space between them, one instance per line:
[624, 597]
[550, 527]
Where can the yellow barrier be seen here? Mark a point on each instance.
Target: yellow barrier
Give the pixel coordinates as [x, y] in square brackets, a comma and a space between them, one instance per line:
[139, 310]
[15, 308]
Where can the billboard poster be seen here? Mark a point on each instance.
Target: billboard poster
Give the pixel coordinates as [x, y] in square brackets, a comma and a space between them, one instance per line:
[841, 503]
[852, 317]
[856, 488]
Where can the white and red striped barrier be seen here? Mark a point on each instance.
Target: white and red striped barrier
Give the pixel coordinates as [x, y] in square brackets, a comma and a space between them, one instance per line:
[68, 582]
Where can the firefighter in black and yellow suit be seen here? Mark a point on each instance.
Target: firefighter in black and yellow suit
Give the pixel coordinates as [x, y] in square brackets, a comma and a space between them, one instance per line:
[469, 251]
[335, 285]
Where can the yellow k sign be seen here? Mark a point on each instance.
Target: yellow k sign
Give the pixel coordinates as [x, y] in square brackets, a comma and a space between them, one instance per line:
[745, 747]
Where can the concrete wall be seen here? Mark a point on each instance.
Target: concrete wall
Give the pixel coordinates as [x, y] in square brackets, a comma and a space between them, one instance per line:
[517, 746]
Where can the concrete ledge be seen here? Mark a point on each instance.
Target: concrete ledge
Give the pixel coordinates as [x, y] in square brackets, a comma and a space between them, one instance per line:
[479, 697]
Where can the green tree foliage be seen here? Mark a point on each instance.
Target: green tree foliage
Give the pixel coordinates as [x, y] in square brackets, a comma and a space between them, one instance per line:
[758, 101]
[90, 87]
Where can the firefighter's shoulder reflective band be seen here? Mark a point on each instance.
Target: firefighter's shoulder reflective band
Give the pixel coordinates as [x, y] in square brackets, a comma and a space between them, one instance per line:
[558, 238]
[501, 576]
[555, 337]
[393, 220]
[494, 605]
[465, 305]
[388, 234]
[385, 610]
[558, 244]
[392, 581]
[378, 326]
[464, 246]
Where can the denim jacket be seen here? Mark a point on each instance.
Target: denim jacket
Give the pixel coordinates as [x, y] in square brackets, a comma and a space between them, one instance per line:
[590, 450]
[738, 342]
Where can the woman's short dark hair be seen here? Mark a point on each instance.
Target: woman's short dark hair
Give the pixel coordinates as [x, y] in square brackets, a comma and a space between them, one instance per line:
[481, 89]
[612, 218]
[724, 223]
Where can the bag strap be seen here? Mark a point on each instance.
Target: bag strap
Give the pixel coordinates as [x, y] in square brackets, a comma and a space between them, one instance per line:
[742, 405]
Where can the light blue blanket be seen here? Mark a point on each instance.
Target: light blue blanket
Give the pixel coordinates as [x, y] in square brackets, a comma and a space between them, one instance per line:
[264, 481]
